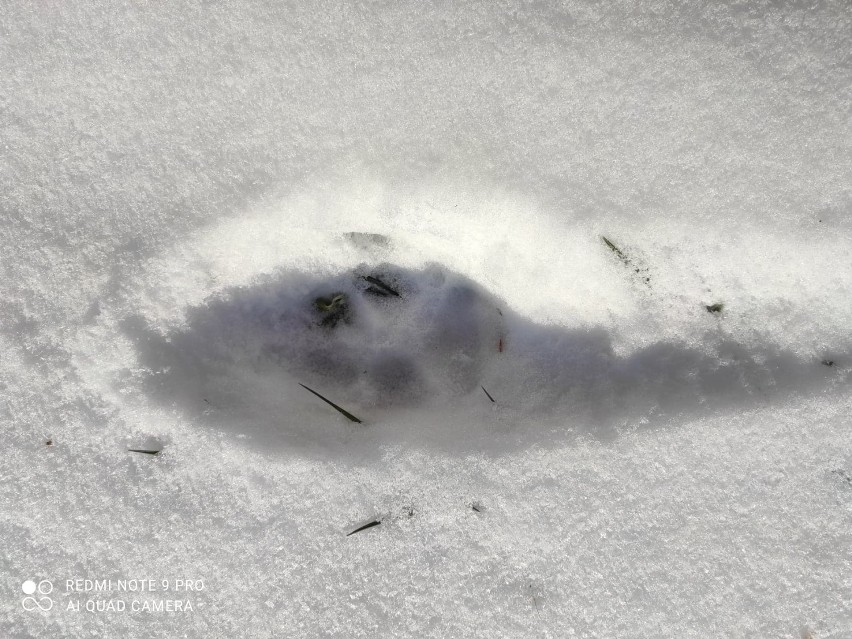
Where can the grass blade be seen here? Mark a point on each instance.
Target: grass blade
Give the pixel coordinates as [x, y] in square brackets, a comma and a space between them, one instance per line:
[370, 524]
[345, 413]
[616, 250]
[641, 272]
[380, 284]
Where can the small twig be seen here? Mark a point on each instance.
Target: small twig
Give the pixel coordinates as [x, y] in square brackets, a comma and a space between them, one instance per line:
[345, 413]
[487, 393]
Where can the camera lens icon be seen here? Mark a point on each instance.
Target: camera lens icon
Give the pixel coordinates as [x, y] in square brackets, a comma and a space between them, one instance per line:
[43, 588]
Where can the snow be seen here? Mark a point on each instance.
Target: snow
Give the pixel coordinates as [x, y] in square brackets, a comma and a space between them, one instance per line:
[180, 184]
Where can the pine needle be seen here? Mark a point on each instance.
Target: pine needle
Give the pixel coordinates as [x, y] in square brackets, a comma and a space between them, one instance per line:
[641, 272]
[375, 522]
[146, 452]
[381, 285]
[616, 250]
[487, 393]
[345, 413]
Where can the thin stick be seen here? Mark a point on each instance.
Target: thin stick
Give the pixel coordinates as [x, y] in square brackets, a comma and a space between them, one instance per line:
[147, 452]
[487, 393]
[346, 414]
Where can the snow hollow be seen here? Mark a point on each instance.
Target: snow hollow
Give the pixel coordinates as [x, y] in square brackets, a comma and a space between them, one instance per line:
[405, 320]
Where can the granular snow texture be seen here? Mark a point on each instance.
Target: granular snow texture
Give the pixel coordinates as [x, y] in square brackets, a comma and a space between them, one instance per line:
[603, 379]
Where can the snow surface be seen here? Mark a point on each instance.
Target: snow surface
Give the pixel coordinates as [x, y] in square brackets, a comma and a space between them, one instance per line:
[180, 181]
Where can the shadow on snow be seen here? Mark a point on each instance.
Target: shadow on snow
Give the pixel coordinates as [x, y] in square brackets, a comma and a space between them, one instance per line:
[412, 366]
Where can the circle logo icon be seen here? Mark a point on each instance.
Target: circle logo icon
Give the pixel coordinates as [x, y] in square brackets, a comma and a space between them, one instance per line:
[44, 588]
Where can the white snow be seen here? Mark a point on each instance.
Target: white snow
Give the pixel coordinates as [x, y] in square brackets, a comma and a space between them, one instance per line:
[180, 183]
